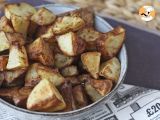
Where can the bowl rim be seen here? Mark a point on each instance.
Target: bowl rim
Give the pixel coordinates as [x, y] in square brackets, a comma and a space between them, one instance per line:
[74, 112]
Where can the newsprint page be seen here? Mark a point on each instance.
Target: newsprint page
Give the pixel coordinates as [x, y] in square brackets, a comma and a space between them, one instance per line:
[129, 103]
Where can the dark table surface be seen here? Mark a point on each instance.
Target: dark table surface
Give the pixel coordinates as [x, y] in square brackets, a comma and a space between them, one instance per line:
[143, 47]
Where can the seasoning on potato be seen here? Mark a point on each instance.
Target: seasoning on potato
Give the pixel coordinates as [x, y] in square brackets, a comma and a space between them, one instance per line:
[56, 63]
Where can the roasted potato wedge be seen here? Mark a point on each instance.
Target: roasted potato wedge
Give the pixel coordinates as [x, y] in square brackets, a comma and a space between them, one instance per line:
[70, 44]
[40, 51]
[17, 58]
[92, 92]
[22, 9]
[67, 23]
[32, 78]
[66, 91]
[70, 71]
[38, 72]
[91, 62]
[49, 37]
[111, 43]
[43, 17]
[3, 62]
[63, 60]
[50, 74]
[16, 95]
[102, 86]
[80, 96]
[4, 42]
[85, 13]
[111, 69]
[45, 97]
[5, 25]
[20, 25]
[90, 36]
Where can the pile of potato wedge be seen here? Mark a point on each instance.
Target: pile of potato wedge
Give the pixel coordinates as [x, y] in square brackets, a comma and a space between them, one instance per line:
[56, 63]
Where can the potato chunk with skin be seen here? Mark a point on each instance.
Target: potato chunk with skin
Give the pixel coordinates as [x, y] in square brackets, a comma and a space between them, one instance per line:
[17, 57]
[111, 69]
[5, 25]
[4, 42]
[38, 72]
[43, 17]
[3, 62]
[90, 36]
[16, 95]
[63, 60]
[80, 96]
[45, 97]
[20, 24]
[66, 91]
[67, 23]
[92, 92]
[112, 42]
[91, 62]
[68, 43]
[102, 86]
[19, 9]
[40, 51]
[70, 71]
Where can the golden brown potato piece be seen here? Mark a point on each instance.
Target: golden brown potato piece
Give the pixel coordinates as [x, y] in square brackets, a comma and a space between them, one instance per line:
[13, 78]
[45, 97]
[22, 9]
[17, 58]
[91, 62]
[92, 92]
[66, 91]
[20, 25]
[90, 36]
[70, 71]
[63, 60]
[112, 42]
[67, 23]
[32, 77]
[102, 86]
[38, 72]
[4, 42]
[50, 74]
[3, 62]
[15, 38]
[111, 69]
[80, 96]
[5, 25]
[40, 51]
[16, 95]
[85, 13]
[43, 17]
[70, 44]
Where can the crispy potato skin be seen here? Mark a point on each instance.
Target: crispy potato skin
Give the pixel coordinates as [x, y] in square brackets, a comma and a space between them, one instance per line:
[111, 69]
[102, 86]
[45, 97]
[111, 43]
[66, 91]
[15, 95]
[5, 25]
[91, 62]
[80, 96]
[40, 51]
[3, 62]
[43, 17]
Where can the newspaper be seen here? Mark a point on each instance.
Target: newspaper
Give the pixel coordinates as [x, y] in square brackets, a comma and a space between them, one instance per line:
[129, 103]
